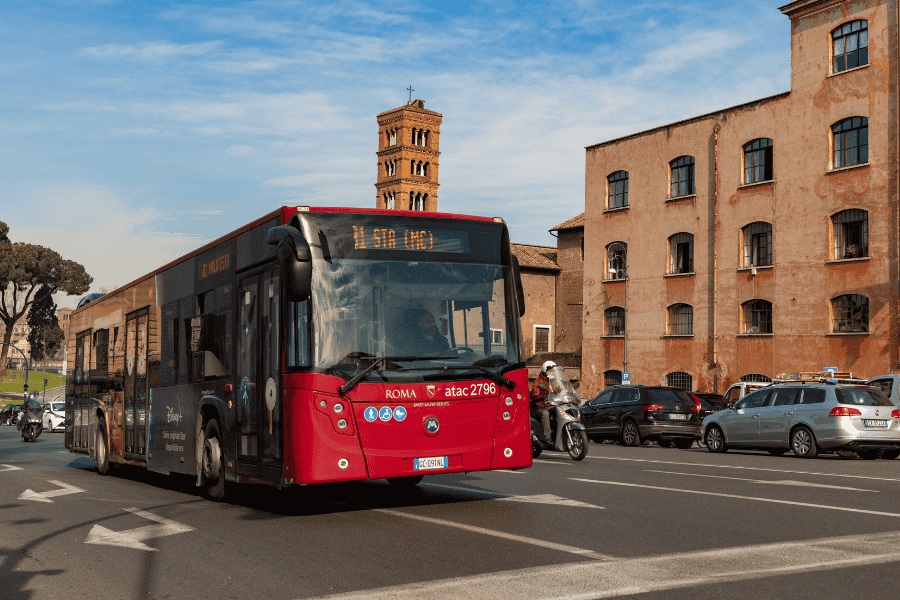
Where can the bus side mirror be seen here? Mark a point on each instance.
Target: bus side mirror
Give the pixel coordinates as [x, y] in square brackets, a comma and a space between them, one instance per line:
[520, 291]
[293, 254]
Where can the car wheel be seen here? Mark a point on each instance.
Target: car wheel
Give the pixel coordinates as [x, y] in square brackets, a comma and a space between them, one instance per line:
[665, 443]
[890, 454]
[776, 451]
[631, 436]
[869, 454]
[803, 443]
[213, 473]
[715, 439]
[683, 444]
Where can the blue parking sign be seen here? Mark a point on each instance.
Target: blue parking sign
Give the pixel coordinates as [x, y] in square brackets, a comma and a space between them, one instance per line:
[626, 378]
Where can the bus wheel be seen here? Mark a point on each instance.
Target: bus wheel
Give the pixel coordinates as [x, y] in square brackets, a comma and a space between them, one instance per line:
[213, 476]
[101, 454]
[406, 481]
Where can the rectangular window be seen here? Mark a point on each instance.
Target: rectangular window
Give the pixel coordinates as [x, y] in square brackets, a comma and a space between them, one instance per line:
[758, 161]
[541, 339]
[101, 345]
[298, 335]
[497, 337]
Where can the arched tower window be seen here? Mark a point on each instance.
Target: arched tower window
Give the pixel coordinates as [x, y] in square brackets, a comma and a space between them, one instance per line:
[850, 45]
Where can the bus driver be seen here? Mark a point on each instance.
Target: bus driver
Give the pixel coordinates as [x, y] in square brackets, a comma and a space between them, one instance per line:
[424, 338]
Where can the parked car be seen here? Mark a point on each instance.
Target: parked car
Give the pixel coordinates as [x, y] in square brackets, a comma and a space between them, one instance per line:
[54, 418]
[10, 413]
[634, 414]
[807, 418]
[738, 390]
[890, 387]
[710, 403]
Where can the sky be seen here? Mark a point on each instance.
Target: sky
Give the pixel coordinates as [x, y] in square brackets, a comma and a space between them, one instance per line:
[134, 132]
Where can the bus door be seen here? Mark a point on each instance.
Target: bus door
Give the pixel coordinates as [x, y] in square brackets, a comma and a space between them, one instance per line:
[82, 400]
[136, 384]
[258, 378]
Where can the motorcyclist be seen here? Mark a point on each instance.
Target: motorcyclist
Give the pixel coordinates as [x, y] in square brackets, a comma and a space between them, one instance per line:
[540, 392]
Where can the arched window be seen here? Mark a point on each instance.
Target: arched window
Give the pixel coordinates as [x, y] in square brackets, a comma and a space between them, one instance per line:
[615, 320]
[612, 377]
[850, 313]
[419, 168]
[758, 160]
[392, 137]
[680, 380]
[681, 253]
[850, 142]
[425, 170]
[756, 378]
[425, 138]
[412, 167]
[682, 169]
[617, 195]
[616, 254]
[757, 243]
[412, 200]
[424, 201]
[680, 320]
[850, 45]
[850, 234]
[756, 316]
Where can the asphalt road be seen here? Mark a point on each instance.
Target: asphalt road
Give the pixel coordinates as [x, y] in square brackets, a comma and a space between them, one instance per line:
[642, 522]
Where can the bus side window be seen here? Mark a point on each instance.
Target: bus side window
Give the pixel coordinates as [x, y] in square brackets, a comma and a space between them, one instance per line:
[297, 335]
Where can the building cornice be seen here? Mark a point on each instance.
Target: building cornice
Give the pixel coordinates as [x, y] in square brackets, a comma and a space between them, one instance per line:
[805, 7]
[412, 182]
[416, 149]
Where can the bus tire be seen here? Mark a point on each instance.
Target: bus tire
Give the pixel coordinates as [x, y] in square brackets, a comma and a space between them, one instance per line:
[213, 473]
[101, 450]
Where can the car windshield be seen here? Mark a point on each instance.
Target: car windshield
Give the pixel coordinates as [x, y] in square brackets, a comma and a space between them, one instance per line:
[668, 396]
[455, 316]
[716, 402]
[862, 396]
[59, 406]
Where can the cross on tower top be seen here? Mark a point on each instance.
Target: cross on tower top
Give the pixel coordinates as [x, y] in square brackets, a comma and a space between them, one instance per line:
[411, 90]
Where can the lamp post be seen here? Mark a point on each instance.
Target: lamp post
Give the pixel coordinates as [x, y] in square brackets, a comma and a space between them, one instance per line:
[622, 256]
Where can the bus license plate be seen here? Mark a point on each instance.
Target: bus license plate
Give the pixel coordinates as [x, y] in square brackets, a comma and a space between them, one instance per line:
[433, 462]
[677, 417]
[875, 423]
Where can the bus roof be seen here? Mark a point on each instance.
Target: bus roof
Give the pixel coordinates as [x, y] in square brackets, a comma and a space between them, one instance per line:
[285, 212]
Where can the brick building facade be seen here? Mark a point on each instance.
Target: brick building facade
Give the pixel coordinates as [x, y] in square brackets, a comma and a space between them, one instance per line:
[759, 239]
[408, 152]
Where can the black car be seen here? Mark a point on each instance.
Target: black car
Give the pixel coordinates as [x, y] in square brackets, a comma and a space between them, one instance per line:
[634, 414]
[9, 413]
[710, 403]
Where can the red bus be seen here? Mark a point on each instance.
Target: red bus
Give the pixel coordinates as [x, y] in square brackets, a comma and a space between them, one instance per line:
[312, 345]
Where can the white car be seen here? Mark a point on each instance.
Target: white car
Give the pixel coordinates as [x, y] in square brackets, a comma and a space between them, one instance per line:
[55, 416]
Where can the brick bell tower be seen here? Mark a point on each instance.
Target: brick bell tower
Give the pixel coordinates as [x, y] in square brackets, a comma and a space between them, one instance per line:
[408, 151]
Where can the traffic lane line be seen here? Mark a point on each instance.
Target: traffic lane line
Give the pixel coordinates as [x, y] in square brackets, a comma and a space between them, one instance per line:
[740, 497]
[590, 580]
[500, 534]
[692, 464]
[785, 482]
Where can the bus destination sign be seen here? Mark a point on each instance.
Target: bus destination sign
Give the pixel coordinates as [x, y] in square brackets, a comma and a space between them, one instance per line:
[367, 237]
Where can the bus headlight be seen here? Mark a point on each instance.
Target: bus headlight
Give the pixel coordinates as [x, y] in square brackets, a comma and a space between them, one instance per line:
[509, 400]
[506, 415]
[338, 408]
[343, 463]
[342, 423]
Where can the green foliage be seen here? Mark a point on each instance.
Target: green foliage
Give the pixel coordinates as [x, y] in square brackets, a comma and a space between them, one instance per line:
[14, 381]
[27, 273]
[45, 335]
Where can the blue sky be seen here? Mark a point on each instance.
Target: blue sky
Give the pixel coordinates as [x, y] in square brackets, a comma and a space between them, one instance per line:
[134, 132]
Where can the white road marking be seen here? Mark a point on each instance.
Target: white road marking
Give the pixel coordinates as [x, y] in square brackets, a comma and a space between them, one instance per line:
[766, 482]
[9, 468]
[537, 498]
[134, 538]
[590, 580]
[516, 472]
[499, 534]
[552, 462]
[684, 464]
[738, 497]
[65, 490]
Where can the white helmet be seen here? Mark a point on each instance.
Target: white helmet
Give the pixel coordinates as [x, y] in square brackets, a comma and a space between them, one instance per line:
[547, 366]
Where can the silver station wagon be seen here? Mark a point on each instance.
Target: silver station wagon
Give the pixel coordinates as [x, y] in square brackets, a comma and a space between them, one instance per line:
[808, 419]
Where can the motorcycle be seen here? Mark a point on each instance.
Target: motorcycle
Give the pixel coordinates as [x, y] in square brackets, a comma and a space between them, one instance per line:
[30, 423]
[567, 431]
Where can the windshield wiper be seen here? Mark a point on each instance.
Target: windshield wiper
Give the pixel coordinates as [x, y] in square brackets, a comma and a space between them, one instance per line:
[344, 389]
[509, 383]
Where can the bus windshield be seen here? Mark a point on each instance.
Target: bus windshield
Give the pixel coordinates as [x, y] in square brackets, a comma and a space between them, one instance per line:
[446, 315]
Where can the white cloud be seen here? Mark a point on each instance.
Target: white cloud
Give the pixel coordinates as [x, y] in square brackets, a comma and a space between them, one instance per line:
[151, 50]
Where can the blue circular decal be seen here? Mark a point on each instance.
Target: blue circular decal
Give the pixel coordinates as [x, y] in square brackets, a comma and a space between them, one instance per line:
[399, 413]
[371, 414]
[385, 413]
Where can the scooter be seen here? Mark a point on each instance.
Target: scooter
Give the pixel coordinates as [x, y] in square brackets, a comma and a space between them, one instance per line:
[567, 431]
[30, 423]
